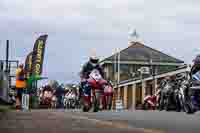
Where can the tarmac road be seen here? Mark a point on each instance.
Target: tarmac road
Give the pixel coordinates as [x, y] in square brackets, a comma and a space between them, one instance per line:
[60, 121]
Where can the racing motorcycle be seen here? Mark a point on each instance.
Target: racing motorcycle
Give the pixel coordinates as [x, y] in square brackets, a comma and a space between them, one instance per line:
[54, 102]
[194, 92]
[70, 100]
[150, 102]
[184, 97]
[167, 101]
[96, 82]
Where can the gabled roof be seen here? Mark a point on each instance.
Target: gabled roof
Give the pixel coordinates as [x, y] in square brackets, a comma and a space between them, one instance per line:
[140, 52]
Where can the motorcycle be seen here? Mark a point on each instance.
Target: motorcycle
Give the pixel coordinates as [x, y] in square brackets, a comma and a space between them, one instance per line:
[167, 100]
[54, 102]
[108, 96]
[47, 98]
[179, 95]
[96, 83]
[69, 100]
[184, 97]
[195, 95]
[150, 102]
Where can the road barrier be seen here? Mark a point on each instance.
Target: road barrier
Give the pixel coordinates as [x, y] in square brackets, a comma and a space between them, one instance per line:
[119, 105]
[25, 102]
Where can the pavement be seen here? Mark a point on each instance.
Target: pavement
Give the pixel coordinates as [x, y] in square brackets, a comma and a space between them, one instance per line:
[62, 121]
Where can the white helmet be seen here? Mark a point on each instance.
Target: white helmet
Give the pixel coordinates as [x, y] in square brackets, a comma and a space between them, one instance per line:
[94, 60]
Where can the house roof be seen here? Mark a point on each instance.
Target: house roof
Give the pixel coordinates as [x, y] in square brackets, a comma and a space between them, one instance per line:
[140, 52]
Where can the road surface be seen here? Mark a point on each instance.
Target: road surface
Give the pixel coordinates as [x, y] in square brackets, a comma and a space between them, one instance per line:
[60, 121]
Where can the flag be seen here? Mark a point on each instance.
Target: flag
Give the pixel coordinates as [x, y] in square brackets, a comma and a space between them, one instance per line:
[38, 55]
[28, 65]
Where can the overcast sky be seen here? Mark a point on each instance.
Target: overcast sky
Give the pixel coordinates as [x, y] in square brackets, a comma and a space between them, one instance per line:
[76, 26]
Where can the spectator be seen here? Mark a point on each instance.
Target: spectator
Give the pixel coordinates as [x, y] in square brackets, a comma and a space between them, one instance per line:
[20, 85]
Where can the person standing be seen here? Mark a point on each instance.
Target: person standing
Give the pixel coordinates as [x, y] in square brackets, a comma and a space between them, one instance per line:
[20, 85]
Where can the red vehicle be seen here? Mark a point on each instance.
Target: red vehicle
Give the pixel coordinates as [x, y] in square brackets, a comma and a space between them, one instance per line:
[150, 102]
[96, 82]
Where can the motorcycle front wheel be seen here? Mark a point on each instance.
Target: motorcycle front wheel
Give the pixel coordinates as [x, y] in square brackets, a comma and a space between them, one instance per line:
[179, 103]
[145, 106]
[73, 104]
[167, 104]
[189, 107]
[109, 103]
[96, 102]
[85, 107]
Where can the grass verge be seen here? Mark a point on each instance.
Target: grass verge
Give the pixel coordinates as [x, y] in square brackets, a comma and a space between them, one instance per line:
[6, 108]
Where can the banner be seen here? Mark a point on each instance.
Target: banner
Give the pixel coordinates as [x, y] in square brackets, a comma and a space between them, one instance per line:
[28, 65]
[38, 55]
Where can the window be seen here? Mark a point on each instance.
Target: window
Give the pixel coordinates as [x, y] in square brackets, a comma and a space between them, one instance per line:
[124, 68]
[162, 69]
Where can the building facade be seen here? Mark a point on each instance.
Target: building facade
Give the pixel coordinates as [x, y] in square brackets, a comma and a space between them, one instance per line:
[135, 84]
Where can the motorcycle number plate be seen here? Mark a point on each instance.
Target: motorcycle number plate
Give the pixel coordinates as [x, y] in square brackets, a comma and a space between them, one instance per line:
[95, 74]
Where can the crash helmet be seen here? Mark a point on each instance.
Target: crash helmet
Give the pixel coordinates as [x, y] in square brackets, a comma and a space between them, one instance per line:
[197, 60]
[94, 60]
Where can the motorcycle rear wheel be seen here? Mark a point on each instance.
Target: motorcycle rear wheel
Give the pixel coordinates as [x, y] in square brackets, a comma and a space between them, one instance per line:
[96, 102]
[179, 104]
[95, 106]
[85, 109]
[167, 104]
[145, 106]
[188, 108]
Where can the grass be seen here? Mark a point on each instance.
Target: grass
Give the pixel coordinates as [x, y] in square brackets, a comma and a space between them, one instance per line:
[4, 108]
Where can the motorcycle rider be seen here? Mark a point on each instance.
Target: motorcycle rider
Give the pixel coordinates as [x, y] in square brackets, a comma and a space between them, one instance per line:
[87, 68]
[92, 64]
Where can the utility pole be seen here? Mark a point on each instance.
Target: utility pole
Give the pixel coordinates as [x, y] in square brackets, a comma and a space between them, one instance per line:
[7, 55]
[115, 65]
[118, 74]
